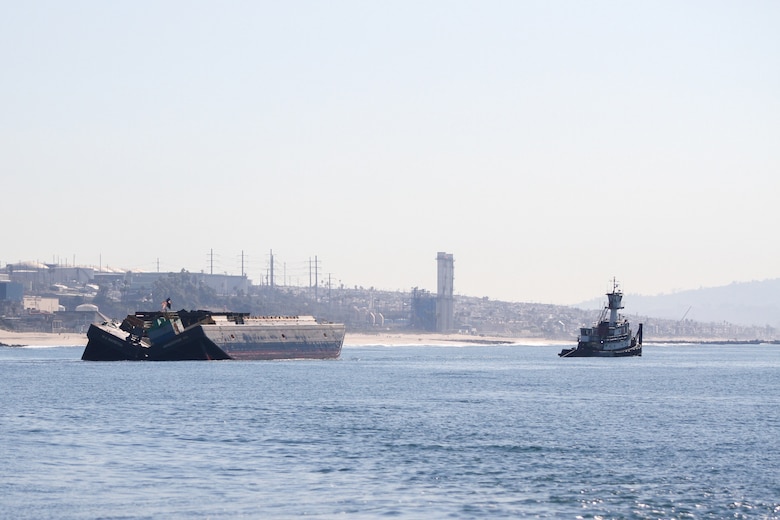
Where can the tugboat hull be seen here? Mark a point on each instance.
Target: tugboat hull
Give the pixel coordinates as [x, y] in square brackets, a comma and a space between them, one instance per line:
[590, 351]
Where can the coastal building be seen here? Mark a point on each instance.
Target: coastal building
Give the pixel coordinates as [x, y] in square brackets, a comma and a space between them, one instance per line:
[423, 310]
[10, 291]
[41, 304]
[223, 284]
[444, 294]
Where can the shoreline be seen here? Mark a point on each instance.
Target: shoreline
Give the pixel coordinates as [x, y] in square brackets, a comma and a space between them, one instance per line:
[366, 339]
[390, 339]
[42, 339]
[407, 339]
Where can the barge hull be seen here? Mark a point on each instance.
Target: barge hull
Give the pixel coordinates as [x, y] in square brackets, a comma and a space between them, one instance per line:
[241, 339]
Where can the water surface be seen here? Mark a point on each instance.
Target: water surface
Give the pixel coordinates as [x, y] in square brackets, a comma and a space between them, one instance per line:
[403, 432]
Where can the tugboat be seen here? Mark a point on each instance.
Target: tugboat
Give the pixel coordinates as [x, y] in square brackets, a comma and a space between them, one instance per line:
[609, 337]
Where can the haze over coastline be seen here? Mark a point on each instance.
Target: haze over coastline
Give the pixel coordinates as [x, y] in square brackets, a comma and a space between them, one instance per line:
[548, 146]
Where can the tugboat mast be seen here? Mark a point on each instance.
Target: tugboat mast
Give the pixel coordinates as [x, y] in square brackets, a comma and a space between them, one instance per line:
[615, 302]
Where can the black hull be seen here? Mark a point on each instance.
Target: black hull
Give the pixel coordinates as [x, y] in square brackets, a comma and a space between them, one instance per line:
[107, 343]
[596, 349]
[586, 352]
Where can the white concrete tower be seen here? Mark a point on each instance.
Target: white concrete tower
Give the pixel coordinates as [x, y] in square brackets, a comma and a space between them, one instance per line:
[444, 297]
[615, 303]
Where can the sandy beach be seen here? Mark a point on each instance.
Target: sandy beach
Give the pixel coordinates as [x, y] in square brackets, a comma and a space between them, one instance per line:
[386, 339]
[391, 339]
[42, 339]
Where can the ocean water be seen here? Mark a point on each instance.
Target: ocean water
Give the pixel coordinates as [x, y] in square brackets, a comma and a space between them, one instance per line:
[394, 432]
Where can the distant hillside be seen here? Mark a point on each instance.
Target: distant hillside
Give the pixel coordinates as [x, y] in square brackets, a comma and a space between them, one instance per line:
[754, 303]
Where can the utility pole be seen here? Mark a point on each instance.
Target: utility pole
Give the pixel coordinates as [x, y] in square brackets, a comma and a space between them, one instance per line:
[316, 271]
[272, 268]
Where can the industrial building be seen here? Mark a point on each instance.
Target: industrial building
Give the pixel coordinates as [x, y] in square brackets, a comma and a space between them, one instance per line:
[444, 294]
[436, 314]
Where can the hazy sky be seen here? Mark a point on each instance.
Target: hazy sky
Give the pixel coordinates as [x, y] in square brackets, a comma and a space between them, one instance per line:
[548, 145]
